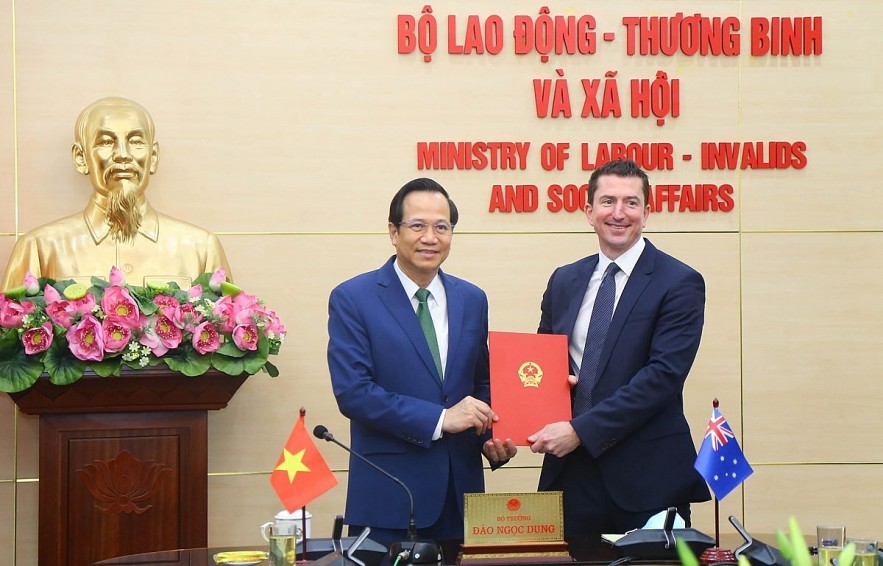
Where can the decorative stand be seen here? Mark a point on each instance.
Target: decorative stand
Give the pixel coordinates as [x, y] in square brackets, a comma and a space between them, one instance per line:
[123, 462]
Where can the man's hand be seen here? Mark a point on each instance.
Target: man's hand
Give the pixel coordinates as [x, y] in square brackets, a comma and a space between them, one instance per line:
[558, 439]
[496, 450]
[469, 413]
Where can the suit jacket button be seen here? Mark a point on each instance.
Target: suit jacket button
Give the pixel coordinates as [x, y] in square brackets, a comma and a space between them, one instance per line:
[445, 399]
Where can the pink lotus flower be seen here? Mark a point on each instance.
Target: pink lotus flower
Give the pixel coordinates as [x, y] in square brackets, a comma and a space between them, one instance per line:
[187, 317]
[116, 276]
[271, 323]
[206, 338]
[168, 333]
[246, 301]
[36, 340]
[217, 278]
[85, 305]
[12, 312]
[32, 287]
[149, 338]
[61, 311]
[227, 310]
[245, 336]
[159, 334]
[50, 294]
[119, 304]
[86, 339]
[116, 335]
[195, 292]
[167, 304]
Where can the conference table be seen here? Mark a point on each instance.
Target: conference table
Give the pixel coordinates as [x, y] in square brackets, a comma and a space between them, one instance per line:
[582, 552]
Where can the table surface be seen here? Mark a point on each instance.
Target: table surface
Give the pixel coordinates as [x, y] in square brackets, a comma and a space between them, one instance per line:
[588, 551]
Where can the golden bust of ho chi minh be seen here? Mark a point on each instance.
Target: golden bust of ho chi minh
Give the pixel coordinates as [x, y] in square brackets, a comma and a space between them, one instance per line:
[116, 149]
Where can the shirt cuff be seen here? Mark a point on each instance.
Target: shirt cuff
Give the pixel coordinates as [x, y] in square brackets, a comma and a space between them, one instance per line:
[438, 427]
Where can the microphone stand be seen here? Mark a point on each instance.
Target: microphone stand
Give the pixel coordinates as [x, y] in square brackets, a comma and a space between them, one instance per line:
[410, 551]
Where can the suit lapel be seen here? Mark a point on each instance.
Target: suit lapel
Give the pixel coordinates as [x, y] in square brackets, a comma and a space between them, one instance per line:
[456, 313]
[396, 301]
[575, 290]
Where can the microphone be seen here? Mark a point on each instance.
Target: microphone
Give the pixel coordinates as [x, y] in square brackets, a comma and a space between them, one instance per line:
[411, 551]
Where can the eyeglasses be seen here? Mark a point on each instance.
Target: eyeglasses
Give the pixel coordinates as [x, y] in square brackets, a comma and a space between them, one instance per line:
[441, 227]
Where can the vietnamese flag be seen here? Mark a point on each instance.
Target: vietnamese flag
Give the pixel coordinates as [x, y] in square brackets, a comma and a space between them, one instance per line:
[301, 474]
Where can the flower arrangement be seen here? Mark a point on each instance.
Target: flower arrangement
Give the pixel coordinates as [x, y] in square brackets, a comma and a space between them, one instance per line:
[62, 328]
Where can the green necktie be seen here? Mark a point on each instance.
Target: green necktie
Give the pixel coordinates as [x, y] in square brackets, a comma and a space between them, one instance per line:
[428, 328]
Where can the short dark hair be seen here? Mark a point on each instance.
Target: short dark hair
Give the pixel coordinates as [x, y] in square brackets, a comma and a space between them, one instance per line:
[396, 207]
[619, 168]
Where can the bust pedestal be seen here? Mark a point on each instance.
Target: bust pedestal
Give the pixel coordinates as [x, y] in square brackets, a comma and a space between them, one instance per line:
[123, 462]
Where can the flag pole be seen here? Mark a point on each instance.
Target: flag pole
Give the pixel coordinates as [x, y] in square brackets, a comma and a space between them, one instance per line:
[720, 471]
[717, 523]
[303, 513]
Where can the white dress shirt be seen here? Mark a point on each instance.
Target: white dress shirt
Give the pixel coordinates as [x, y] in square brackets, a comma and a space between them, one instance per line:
[438, 309]
[626, 263]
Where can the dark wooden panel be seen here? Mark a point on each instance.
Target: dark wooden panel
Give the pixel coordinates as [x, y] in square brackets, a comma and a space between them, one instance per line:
[121, 483]
[150, 389]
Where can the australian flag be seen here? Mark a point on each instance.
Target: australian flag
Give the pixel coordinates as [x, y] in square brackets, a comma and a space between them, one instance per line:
[720, 460]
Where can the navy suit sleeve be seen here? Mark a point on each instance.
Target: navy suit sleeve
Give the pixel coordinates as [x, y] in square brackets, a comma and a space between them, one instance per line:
[387, 398]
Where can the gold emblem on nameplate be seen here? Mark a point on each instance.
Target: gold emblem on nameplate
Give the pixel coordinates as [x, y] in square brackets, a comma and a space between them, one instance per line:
[530, 374]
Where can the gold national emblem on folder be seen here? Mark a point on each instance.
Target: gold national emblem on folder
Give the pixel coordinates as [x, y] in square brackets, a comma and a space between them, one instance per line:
[531, 374]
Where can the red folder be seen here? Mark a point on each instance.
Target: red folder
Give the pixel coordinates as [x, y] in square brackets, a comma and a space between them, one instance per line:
[529, 386]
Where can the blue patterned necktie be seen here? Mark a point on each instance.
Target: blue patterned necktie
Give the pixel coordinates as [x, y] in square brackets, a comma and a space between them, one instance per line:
[602, 312]
[425, 318]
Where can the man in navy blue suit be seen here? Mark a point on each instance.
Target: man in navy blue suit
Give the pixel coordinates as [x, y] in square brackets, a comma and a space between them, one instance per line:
[627, 453]
[418, 404]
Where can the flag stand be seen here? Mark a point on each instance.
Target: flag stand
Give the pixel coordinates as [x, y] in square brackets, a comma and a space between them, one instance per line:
[303, 516]
[300, 475]
[717, 435]
[717, 522]
[303, 525]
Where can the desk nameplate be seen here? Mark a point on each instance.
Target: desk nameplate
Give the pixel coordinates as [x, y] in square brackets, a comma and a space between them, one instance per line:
[503, 518]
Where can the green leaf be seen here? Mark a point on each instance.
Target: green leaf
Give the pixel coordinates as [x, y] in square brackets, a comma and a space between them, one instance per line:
[254, 361]
[99, 283]
[784, 545]
[230, 350]
[228, 365]
[107, 367]
[800, 551]
[202, 280]
[263, 346]
[9, 343]
[145, 303]
[61, 365]
[847, 555]
[685, 553]
[271, 369]
[18, 371]
[189, 362]
[16, 293]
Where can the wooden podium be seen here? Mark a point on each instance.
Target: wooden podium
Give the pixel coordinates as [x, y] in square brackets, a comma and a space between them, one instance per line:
[123, 462]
